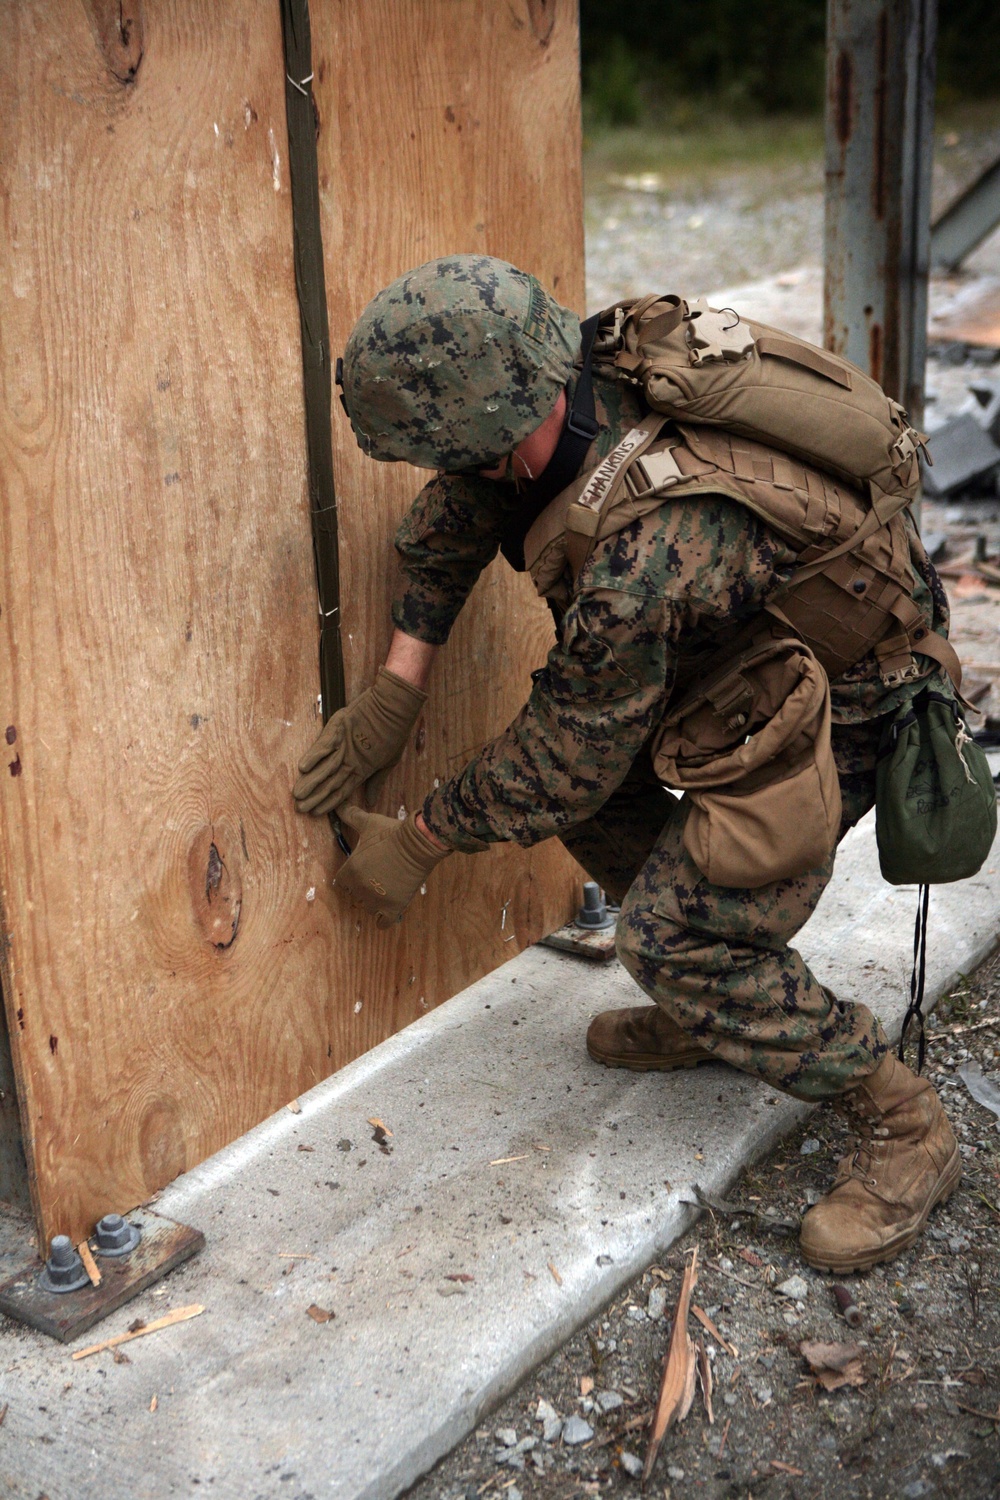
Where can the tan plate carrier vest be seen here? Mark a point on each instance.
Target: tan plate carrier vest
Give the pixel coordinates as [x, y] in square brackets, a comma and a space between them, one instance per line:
[859, 598]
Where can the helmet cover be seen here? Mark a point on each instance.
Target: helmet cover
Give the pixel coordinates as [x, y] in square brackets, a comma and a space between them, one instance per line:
[453, 364]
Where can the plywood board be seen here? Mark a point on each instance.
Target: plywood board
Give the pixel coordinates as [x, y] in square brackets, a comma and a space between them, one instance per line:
[175, 965]
[461, 132]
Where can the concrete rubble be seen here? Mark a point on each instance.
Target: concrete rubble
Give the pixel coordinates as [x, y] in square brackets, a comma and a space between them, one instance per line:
[965, 455]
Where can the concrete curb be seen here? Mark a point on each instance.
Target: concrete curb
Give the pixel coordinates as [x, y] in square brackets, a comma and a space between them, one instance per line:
[524, 1188]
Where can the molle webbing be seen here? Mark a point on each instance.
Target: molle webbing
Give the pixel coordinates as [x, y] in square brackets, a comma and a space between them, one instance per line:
[842, 608]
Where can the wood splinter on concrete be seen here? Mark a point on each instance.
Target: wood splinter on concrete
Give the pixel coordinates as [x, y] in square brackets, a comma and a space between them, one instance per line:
[179, 1315]
[679, 1371]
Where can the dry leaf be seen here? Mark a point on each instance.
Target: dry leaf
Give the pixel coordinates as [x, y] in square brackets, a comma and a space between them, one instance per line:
[586, 1385]
[319, 1314]
[750, 1257]
[679, 1371]
[690, 1381]
[833, 1365]
[711, 1329]
[705, 1376]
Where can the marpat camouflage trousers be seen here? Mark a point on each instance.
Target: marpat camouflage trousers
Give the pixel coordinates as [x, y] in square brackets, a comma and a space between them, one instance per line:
[717, 959]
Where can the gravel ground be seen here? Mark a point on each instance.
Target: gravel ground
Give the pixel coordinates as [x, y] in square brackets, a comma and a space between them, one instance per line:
[923, 1419]
[697, 212]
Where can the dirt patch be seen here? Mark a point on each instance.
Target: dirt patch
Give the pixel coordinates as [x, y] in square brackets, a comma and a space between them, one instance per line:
[925, 1421]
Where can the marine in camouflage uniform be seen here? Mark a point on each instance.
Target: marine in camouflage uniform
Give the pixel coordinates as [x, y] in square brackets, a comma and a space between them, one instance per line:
[576, 763]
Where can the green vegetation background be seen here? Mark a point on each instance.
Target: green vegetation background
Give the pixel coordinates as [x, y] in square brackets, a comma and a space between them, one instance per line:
[650, 62]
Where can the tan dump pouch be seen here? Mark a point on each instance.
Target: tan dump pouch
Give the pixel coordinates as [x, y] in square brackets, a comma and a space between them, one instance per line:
[751, 748]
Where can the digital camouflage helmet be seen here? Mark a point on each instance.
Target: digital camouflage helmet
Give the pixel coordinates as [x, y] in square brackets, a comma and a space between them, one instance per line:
[451, 366]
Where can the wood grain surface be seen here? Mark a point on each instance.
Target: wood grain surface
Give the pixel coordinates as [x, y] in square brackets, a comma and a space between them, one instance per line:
[174, 963]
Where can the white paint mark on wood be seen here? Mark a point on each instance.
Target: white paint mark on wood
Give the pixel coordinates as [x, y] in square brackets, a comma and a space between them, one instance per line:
[275, 160]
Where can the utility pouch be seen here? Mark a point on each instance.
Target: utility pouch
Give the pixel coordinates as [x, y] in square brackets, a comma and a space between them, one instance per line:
[935, 802]
[751, 748]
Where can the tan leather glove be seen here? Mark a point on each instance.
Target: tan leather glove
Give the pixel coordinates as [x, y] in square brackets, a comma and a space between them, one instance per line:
[388, 865]
[358, 744]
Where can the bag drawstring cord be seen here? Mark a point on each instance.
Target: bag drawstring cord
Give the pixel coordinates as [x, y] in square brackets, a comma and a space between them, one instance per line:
[915, 1011]
[963, 738]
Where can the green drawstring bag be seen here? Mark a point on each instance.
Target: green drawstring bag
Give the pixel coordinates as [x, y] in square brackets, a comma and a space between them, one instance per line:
[935, 802]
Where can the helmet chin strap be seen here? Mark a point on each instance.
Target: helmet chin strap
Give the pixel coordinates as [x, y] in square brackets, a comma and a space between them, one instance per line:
[579, 430]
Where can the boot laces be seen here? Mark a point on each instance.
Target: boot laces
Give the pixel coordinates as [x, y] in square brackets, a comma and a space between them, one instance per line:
[866, 1150]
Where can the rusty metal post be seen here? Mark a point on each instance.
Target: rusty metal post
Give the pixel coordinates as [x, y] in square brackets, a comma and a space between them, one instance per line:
[879, 138]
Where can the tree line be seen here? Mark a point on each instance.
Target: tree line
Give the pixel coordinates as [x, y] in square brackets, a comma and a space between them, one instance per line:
[766, 57]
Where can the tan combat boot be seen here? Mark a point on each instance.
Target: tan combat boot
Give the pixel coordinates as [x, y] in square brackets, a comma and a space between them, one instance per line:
[642, 1038]
[905, 1161]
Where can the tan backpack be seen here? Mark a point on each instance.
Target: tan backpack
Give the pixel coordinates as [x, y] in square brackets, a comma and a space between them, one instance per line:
[712, 368]
[741, 395]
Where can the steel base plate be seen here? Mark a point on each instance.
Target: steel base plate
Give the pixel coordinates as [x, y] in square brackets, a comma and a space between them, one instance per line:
[574, 939]
[163, 1246]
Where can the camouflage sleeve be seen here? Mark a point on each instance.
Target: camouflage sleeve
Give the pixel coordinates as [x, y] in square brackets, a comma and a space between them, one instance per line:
[450, 535]
[592, 708]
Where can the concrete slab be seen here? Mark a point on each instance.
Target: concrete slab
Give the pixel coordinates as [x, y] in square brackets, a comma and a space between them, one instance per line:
[963, 308]
[524, 1186]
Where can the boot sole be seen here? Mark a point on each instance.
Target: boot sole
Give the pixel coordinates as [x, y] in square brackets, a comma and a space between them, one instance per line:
[951, 1176]
[649, 1062]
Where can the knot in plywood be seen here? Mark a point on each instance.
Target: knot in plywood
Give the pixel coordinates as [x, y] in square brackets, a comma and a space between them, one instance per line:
[216, 888]
[117, 25]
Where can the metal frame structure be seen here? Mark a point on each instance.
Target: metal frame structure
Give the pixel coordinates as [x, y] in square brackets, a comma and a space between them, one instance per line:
[967, 221]
[881, 64]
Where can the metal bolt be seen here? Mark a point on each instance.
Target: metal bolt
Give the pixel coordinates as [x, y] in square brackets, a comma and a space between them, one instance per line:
[594, 914]
[64, 1271]
[116, 1236]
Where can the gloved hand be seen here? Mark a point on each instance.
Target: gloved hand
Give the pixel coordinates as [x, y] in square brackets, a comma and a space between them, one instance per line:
[358, 744]
[388, 864]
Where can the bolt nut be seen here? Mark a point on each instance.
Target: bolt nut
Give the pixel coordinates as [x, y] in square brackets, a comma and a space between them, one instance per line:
[116, 1236]
[64, 1270]
[593, 914]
